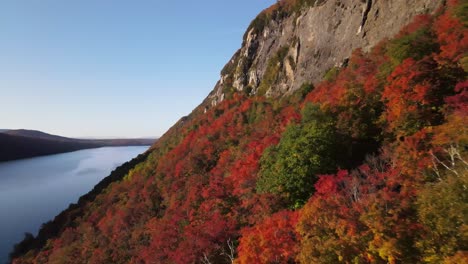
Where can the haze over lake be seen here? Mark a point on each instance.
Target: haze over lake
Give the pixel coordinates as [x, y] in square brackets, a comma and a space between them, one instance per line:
[33, 191]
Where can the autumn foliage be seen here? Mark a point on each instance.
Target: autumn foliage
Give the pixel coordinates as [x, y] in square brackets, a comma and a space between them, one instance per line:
[370, 166]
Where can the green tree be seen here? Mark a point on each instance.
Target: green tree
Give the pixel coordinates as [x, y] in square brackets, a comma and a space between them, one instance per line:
[290, 168]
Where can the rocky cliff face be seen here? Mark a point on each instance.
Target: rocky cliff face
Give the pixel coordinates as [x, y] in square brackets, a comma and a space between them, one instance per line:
[281, 51]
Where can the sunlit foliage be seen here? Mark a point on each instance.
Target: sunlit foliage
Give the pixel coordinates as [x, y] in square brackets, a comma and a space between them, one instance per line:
[368, 166]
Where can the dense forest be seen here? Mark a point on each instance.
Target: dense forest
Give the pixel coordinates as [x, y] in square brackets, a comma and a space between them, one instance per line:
[368, 166]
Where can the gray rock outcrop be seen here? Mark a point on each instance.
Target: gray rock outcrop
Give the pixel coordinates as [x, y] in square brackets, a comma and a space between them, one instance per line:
[308, 42]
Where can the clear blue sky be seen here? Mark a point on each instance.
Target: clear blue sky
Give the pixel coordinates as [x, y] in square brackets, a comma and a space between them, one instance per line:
[113, 68]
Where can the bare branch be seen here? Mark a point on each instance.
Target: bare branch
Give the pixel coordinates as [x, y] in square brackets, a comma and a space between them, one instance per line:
[454, 156]
[205, 259]
[442, 163]
[232, 251]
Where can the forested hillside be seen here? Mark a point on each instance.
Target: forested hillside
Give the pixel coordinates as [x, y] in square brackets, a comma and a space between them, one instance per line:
[22, 144]
[368, 166]
[14, 147]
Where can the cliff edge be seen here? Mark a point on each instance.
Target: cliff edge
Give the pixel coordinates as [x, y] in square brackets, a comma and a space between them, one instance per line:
[294, 42]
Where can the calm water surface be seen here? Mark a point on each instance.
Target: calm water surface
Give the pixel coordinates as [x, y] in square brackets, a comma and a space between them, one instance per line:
[33, 191]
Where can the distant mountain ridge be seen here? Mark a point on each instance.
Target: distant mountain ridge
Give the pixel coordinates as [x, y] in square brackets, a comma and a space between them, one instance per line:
[34, 134]
[23, 143]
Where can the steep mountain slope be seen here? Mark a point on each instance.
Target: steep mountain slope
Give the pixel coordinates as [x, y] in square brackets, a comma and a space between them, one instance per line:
[23, 143]
[368, 165]
[287, 46]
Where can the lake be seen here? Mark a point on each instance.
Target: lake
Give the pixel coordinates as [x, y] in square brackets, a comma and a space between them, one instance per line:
[33, 191]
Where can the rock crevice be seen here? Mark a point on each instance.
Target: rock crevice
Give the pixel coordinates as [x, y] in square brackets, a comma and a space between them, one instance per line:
[366, 11]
